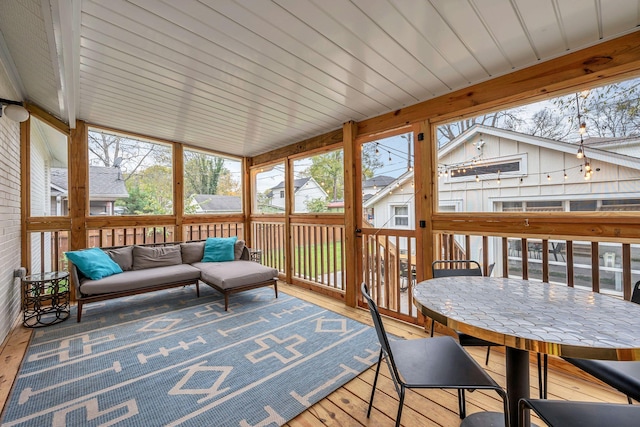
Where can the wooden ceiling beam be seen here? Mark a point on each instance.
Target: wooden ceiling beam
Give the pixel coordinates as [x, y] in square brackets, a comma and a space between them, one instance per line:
[317, 142]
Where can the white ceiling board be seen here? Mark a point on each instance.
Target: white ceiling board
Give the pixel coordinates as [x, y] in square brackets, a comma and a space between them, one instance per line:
[541, 23]
[30, 50]
[248, 76]
[154, 45]
[618, 16]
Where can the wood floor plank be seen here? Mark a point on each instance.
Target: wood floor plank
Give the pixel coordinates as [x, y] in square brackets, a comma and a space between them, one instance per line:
[11, 353]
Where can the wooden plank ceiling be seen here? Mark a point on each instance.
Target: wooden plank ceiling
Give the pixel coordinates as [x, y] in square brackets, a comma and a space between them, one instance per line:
[245, 77]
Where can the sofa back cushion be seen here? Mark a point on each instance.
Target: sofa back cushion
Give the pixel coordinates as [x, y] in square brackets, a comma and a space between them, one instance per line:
[237, 250]
[192, 252]
[122, 256]
[156, 256]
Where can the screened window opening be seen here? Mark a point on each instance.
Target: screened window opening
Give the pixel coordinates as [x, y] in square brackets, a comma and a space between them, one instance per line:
[212, 184]
[269, 192]
[129, 176]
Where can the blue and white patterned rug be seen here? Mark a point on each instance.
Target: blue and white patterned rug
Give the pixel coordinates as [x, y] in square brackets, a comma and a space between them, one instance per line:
[170, 359]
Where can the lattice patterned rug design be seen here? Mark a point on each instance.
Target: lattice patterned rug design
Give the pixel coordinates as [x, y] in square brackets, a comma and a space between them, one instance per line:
[170, 359]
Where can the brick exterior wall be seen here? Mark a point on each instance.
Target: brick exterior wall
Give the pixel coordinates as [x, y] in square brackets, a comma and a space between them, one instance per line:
[10, 221]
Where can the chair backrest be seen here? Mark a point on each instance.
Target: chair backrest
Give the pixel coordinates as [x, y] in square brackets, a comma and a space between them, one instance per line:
[635, 296]
[455, 267]
[382, 335]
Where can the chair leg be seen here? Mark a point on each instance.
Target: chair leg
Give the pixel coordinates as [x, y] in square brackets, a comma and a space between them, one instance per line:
[433, 325]
[401, 403]
[629, 400]
[375, 381]
[543, 368]
[462, 404]
[486, 362]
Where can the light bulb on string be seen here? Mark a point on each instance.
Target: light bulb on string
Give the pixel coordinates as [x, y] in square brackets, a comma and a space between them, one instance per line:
[477, 178]
[389, 155]
[548, 177]
[565, 174]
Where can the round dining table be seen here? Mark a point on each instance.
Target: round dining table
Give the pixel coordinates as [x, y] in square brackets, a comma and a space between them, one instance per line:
[532, 316]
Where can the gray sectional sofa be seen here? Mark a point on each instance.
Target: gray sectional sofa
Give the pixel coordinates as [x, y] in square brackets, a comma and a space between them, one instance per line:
[147, 268]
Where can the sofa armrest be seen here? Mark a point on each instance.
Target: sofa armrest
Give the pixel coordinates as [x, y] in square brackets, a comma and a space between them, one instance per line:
[75, 278]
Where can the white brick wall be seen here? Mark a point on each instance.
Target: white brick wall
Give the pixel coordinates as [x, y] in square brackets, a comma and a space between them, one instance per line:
[9, 215]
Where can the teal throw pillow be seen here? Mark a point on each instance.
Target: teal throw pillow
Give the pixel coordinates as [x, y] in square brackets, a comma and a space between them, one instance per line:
[94, 263]
[219, 249]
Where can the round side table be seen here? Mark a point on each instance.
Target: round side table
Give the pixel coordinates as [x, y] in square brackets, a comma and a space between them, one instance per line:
[45, 298]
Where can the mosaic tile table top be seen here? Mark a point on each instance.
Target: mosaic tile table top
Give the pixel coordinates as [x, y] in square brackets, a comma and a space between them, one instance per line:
[542, 317]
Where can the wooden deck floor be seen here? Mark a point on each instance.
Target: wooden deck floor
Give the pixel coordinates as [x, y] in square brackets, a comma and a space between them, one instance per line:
[347, 406]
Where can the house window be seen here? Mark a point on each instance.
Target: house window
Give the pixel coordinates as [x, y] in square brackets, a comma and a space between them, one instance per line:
[401, 216]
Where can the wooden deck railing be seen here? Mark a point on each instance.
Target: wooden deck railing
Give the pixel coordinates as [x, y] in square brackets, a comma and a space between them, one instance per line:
[598, 266]
[269, 237]
[317, 251]
[389, 268]
[318, 254]
[389, 256]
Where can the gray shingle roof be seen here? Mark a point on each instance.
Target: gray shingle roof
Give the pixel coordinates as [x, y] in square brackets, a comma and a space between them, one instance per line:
[218, 203]
[297, 183]
[378, 181]
[104, 182]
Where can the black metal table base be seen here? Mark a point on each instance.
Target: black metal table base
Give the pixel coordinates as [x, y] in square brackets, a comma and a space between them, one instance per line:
[45, 299]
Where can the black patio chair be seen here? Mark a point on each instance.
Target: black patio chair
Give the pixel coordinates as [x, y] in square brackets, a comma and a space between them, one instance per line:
[429, 363]
[453, 268]
[562, 413]
[623, 376]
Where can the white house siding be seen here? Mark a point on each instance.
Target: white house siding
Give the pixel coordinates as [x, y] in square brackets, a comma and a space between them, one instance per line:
[9, 215]
[612, 181]
[40, 200]
[306, 193]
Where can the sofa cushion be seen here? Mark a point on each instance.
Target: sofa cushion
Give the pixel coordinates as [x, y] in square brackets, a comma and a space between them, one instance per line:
[156, 256]
[122, 256]
[137, 279]
[237, 249]
[192, 252]
[219, 249]
[229, 275]
[94, 263]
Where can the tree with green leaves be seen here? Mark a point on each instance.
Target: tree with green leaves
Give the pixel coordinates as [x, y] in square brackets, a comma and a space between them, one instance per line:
[328, 171]
[150, 192]
[202, 172]
[370, 161]
[316, 205]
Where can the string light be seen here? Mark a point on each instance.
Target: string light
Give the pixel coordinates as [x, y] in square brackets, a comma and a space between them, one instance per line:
[389, 155]
[548, 177]
[477, 178]
[565, 174]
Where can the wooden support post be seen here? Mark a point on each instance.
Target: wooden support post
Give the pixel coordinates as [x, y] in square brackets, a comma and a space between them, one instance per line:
[352, 190]
[79, 185]
[178, 191]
